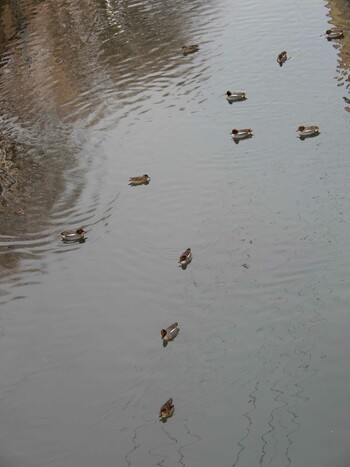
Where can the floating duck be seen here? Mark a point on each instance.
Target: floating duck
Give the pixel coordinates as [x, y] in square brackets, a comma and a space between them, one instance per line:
[167, 410]
[190, 49]
[140, 180]
[170, 332]
[235, 96]
[332, 34]
[282, 58]
[185, 258]
[72, 235]
[306, 131]
[241, 134]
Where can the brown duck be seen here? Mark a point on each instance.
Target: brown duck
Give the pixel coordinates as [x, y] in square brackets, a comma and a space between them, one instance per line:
[169, 333]
[185, 257]
[139, 180]
[282, 58]
[167, 410]
[190, 49]
[72, 235]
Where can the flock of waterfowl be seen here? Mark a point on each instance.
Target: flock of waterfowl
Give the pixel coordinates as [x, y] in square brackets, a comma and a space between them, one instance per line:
[305, 131]
[168, 334]
[235, 96]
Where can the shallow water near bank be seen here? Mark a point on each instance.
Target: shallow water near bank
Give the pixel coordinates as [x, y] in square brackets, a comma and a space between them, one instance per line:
[93, 93]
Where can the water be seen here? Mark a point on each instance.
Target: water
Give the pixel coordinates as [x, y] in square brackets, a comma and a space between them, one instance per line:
[95, 92]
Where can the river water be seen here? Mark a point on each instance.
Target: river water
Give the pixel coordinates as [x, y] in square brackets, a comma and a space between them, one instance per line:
[95, 92]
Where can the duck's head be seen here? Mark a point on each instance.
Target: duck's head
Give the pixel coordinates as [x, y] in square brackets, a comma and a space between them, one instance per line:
[328, 31]
[163, 333]
[234, 131]
[80, 231]
[301, 128]
[229, 93]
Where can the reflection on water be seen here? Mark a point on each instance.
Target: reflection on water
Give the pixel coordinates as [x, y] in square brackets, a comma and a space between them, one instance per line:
[339, 13]
[93, 93]
[76, 68]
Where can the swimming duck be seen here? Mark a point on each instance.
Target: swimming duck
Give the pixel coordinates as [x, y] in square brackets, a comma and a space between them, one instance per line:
[189, 49]
[305, 131]
[281, 58]
[72, 235]
[241, 134]
[140, 180]
[185, 257]
[170, 332]
[235, 96]
[332, 34]
[167, 410]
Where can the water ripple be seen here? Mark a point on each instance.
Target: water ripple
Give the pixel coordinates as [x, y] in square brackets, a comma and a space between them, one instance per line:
[94, 93]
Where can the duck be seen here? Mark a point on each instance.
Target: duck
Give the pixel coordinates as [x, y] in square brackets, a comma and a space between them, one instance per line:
[234, 96]
[185, 257]
[305, 131]
[332, 34]
[72, 235]
[170, 332]
[189, 49]
[167, 410]
[282, 58]
[139, 180]
[241, 134]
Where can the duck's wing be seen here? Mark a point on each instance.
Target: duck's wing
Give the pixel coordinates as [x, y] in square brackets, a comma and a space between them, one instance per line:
[245, 131]
[166, 406]
[173, 329]
[68, 233]
[311, 129]
[236, 95]
[169, 403]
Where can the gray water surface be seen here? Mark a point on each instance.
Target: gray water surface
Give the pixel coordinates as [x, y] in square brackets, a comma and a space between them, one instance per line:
[95, 92]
